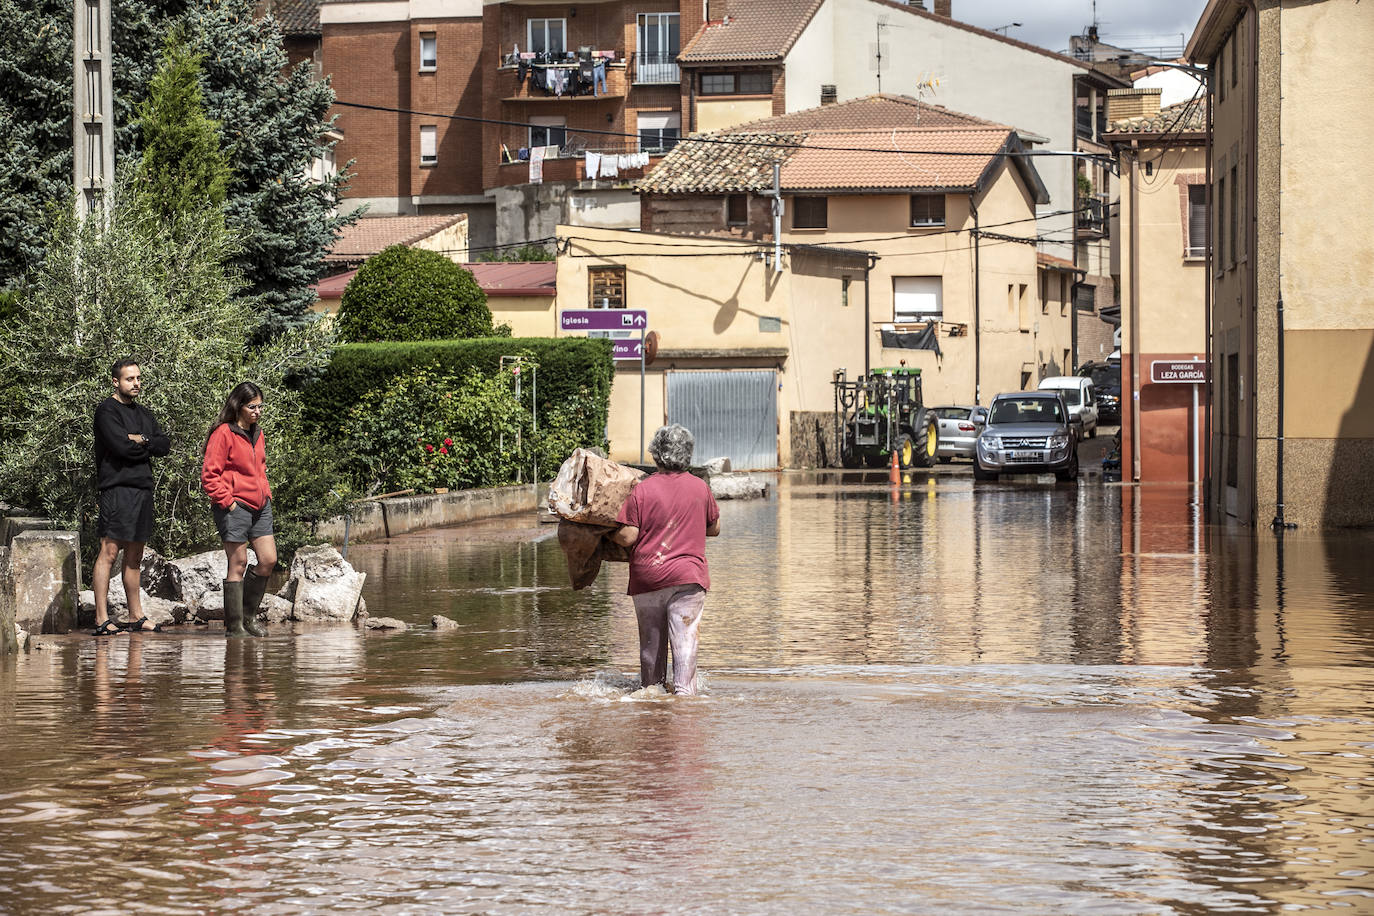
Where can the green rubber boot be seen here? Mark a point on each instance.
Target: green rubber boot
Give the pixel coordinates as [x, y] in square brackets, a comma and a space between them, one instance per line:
[254, 586]
[233, 609]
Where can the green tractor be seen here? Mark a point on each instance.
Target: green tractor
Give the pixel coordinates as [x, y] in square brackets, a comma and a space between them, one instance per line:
[882, 413]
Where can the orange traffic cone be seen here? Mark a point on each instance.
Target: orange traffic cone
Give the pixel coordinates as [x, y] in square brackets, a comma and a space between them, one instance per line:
[894, 471]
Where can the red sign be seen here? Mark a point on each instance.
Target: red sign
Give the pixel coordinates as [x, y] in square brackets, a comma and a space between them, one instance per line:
[1178, 372]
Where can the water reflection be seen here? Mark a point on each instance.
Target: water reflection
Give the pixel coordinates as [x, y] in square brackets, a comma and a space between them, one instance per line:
[931, 698]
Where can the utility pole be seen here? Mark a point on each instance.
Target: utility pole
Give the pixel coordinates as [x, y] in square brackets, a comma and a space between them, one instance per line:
[93, 125]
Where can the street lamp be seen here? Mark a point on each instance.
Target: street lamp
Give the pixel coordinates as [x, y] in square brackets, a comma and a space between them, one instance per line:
[1004, 28]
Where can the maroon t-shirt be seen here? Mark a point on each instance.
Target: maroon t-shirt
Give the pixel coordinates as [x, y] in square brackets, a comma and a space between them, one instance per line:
[672, 512]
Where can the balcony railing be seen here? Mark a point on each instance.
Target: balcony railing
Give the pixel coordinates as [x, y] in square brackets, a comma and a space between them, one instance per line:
[1092, 215]
[657, 69]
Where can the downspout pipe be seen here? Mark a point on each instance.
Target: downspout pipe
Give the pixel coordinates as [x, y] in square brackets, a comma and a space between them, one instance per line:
[1279, 524]
[868, 323]
[1207, 500]
[1135, 315]
[977, 302]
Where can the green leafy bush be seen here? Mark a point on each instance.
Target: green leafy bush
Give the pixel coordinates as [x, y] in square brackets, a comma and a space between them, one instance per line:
[574, 378]
[411, 294]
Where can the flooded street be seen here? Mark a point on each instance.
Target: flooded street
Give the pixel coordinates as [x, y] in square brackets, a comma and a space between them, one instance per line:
[1015, 697]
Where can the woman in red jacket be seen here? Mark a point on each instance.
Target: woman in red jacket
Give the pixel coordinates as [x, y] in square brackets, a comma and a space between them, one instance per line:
[234, 475]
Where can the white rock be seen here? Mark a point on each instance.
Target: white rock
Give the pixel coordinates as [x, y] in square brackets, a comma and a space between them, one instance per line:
[737, 486]
[444, 623]
[21, 637]
[196, 576]
[326, 586]
[717, 466]
[385, 623]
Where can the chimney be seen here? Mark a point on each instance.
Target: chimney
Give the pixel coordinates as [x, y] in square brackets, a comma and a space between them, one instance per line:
[942, 8]
[1132, 103]
[828, 94]
[717, 10]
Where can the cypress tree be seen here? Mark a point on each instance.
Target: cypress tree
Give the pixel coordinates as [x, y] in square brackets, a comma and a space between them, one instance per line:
[183, 167]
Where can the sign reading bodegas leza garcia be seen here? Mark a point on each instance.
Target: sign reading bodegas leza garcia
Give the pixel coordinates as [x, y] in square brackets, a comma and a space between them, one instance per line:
[1178, 372]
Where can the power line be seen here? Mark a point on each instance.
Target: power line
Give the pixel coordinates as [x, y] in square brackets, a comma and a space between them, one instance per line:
[725, 140]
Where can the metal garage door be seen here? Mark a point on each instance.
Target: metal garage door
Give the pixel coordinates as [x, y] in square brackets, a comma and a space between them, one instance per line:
[731, 414]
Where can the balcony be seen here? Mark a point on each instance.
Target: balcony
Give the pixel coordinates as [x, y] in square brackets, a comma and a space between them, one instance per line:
[570, 163]
[656, 70]
[1092, 216]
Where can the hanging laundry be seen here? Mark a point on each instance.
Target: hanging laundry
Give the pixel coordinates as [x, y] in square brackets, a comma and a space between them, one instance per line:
[593, 165]
[523, 154]
[608, 166]
[537, 165]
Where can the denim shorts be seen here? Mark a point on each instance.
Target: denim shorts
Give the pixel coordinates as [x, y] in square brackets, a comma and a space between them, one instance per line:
[242, 524]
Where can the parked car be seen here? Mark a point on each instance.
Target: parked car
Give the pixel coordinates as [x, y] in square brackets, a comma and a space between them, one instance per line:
[1028, 432]
[957, 431]
[1081, 398]
[1106, 379]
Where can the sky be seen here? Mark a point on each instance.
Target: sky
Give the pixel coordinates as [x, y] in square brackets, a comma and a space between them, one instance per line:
[1049, 23]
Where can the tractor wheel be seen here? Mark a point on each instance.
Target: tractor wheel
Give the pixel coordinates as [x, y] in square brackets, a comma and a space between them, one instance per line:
[925, 436]
[906, 451]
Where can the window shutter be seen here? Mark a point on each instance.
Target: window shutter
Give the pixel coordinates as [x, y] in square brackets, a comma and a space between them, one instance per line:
[1197, 220]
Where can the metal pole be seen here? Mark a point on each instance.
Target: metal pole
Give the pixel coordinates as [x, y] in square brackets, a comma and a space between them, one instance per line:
[641, 395]
[93, 148]
[1197, 456]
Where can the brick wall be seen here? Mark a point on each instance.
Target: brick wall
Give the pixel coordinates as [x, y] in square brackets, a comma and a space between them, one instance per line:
[370, 64]
[453, 87]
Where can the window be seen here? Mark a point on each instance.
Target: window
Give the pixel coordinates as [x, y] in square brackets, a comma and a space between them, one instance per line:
[927, 209]
[736, 209]
[1196, 229]
[1218, 230]
[917, 298]
[548, 131]
[1218, 67]
[755, 83]
[809, 213]
[429, 145]
[547, 35]
[656, 50]
[1085, 297]
[658, 132]
[1023, 308]
[844, 290]
[1235, 41]
[752, 82]
[606, 287]
[1231, 215]
[1064, 287]
[429, 51]
[717, 83]
[1044, 293]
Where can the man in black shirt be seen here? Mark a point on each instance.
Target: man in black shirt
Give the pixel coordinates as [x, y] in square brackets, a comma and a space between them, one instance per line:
[126, 438]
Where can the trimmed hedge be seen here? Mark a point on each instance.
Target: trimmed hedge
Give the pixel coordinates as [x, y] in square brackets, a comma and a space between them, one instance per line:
[405, 294]
[574, 372]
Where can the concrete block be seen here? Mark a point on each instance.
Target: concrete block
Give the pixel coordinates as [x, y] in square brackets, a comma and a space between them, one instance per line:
[9, 636]
[47, 578]
[13, 526]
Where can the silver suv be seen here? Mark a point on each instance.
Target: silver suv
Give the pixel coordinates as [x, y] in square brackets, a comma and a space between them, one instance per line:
[1028, 432]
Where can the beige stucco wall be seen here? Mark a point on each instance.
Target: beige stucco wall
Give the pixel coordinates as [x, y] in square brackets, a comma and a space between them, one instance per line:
[452, 242]
[1172, 286]
[528, 316]
[718, 114]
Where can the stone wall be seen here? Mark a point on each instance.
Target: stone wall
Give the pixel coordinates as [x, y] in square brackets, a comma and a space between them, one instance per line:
[9, 643]
[389, 517]
[45, 571]
[813, 439]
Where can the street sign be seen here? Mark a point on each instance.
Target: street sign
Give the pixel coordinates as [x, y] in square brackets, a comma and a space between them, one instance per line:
[603, 320]
[626, 349]
[1178, 372]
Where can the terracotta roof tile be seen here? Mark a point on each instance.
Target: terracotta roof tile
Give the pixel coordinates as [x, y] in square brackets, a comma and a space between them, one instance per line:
[516, 278]
[368, 236]
[868, 111]
[889, 159]
[725, 163]
[295, 17]
[1184, 116]
[757, 30]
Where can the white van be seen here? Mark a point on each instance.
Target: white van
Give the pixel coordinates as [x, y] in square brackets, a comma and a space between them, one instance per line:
[1081, 399]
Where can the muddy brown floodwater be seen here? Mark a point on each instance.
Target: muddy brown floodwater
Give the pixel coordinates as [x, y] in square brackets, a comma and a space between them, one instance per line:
[1015, 697]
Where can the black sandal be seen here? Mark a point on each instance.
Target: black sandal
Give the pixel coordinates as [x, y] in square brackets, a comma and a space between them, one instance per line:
[108, 628]
[136, 626]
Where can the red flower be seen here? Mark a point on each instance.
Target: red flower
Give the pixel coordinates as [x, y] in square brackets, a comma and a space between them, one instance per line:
[442, 450]
[429, 448]
[448, 442]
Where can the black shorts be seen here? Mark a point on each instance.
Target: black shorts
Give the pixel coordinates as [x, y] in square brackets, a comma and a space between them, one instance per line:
[126, 514]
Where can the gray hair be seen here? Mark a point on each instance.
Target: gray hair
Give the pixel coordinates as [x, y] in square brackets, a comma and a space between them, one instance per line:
[671, 447]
